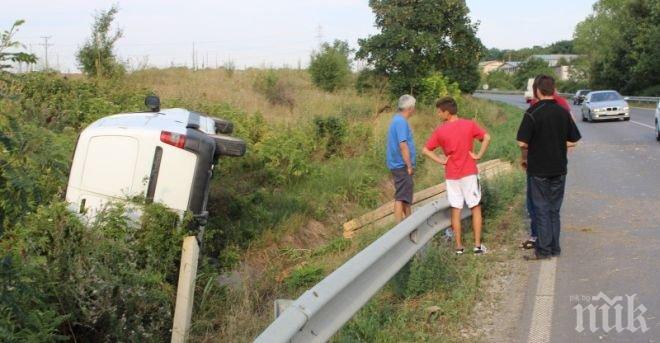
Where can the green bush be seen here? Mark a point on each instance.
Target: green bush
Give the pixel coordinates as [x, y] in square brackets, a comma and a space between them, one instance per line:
[286, 153]
[109, 281]
[370, 81]
[430, 271]
[571, 86]
[303, 277]
[651, 91]
[437, 86]
[499, 80]
[330, 67]
[276, 90]
[332, 132]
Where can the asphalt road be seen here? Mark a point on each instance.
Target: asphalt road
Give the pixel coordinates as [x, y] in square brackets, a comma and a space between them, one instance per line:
[610, 236]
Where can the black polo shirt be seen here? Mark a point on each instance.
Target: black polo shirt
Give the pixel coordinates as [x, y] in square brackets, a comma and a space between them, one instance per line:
[546, 127]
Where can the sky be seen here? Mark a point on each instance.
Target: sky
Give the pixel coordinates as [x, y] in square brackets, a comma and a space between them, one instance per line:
[257, 33]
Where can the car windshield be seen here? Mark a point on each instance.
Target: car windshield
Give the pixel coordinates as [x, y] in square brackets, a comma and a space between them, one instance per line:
[606, 96]
[584, 92]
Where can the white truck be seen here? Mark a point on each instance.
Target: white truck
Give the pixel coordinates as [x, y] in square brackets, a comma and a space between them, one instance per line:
[529, 91]
[166, 156]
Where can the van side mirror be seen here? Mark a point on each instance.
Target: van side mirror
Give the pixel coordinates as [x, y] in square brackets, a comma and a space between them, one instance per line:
[223, 126]
[229, 146]
[153, 103]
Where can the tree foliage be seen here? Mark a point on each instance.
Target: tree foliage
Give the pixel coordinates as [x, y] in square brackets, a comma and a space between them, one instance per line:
[621, 40]
[96, 57]
[7, 42]
[559, 47]
[330, 67]
[437, 86]
[529, 70]
[498, 79]
[418, 38]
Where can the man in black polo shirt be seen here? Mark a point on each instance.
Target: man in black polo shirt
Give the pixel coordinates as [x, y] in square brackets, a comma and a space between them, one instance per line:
[545, 132]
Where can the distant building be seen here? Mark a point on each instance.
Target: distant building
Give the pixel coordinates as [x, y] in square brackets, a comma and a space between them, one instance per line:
[553, 60]
[487, 67]
[510, 67]
[562, 72]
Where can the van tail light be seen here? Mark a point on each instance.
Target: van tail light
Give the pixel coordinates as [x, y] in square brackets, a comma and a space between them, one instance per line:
[171, 138]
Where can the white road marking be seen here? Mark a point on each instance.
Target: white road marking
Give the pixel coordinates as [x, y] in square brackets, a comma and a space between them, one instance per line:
[642, 124]
[541, 326]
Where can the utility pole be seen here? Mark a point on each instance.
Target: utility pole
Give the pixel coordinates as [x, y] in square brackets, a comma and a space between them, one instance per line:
[46, 45]
[193, 56]
[319, 34]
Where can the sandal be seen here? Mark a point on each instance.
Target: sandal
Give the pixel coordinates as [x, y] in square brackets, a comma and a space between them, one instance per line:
[528, 244]
[460, 251]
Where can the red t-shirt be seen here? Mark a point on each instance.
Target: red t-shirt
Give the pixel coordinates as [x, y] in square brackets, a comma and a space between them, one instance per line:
[560, 101]
[456, 138]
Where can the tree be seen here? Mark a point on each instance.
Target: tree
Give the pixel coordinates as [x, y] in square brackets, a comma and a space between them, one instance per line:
[498, 79]
[330, 67]
[529, 70]
[418, 38]
[561, 47]
[7, 42]
[96, 57]
[621, 41]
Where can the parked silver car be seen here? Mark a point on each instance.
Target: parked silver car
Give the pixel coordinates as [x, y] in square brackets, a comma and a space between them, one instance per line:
[604, 105]
[657, 121]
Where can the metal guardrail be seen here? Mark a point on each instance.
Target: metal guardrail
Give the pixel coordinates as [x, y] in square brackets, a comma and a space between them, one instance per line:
[321, 311]
[650, 99]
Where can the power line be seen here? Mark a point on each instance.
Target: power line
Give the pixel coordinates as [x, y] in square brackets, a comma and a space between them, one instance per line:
[46, 45]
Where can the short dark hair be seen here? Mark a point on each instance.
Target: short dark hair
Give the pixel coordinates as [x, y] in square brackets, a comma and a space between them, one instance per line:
[447, 104]
[545, 84]
[535, 86]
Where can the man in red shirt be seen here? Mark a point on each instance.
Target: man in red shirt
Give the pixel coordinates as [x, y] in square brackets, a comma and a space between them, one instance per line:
[456, 136]
[558, 98]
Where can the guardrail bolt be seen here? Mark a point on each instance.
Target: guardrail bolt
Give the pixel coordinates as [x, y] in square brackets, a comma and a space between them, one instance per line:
[413, 236]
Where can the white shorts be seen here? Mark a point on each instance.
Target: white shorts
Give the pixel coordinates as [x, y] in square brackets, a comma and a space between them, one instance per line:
[466, 190]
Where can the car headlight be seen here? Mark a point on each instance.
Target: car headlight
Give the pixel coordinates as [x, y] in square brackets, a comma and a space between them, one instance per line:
[625, 108]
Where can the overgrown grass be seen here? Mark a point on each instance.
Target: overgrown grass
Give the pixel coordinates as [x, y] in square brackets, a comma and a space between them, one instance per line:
[276, 214]
[436, 277]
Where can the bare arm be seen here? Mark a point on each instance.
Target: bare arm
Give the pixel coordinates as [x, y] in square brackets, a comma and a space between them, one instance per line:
[523, 154]
[433, 156]
[484, 146]
[405, 154]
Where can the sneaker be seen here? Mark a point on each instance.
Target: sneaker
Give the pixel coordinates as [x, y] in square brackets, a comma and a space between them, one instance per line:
[480, 249]
[460, 251]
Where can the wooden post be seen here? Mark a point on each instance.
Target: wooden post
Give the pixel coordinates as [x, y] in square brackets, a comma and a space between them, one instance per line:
[186, 290]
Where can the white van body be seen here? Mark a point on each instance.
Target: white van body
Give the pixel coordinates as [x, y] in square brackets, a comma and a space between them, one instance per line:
[165, 156]
[529, 91]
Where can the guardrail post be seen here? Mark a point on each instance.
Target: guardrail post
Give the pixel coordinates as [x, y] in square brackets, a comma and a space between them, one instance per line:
[185, 290]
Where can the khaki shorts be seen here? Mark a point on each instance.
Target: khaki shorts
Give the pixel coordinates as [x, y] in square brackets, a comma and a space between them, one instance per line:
[464, 191]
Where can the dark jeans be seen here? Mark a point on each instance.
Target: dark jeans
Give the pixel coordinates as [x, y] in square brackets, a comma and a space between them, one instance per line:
[547, 194]
[530, 209]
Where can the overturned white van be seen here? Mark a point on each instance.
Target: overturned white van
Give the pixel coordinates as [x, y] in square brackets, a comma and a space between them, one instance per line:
[165, 156]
